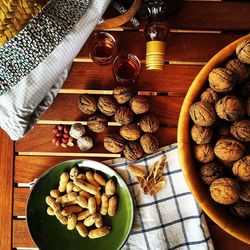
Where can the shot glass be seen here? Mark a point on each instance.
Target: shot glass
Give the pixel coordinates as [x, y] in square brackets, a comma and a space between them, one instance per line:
[103, 48]
[126, 68]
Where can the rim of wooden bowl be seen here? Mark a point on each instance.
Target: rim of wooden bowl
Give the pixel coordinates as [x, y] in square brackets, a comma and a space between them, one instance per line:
[232, 225]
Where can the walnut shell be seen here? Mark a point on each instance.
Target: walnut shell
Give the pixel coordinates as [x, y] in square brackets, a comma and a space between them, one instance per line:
[225, 191]
[248, 106]
[107, 105]
[229, 108]
[97, 123]
[210, 172]
[201, 135]
[85, 143]
[245, 191]
[241, 209]
[149, 123]
[202, 114]
[77, 130]
[204, 153]
[241, 70]
[87, 104]
[229, 149]
[139, 104]
[114, 143]
[123, 94]
[241, 168]
[149, 143]
[123, 115]
[221, 80]
[241, 130]
[210, 96]
[130, 132]
[243, 51]
[133, 151]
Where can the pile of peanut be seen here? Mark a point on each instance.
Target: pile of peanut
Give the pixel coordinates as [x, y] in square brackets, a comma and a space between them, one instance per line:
[81, 201]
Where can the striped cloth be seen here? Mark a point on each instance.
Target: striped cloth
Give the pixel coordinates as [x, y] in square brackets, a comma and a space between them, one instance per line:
[169, 220]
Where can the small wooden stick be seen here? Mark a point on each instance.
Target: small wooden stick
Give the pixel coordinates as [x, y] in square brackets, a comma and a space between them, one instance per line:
[70, 154]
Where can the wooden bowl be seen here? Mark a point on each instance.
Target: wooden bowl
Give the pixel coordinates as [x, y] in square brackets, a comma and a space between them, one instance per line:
[220, 215]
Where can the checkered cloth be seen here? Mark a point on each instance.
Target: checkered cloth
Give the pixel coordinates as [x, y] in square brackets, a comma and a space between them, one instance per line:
[169, 220]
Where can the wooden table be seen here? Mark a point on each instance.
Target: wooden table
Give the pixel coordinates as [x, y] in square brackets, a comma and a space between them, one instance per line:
[199, 30]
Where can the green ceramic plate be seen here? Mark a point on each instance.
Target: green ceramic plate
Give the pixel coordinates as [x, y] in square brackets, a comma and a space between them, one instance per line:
[49, 234]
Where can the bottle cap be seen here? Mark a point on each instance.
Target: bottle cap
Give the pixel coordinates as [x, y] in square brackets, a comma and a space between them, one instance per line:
[155, 55]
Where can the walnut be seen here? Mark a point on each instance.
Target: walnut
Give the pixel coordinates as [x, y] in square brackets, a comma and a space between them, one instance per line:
[210, 172]
[107, 105]
[241, 70]
[245, 191]
[241, 209]
[114, 143]
[221, 80]
[229, 108]
[130, 132]
[241, 130]
[139, 104]
[77, 130]
[149, 123]
[202, 114]
[225, 191]
[97, 123]
[201, 135]
[229, 149]
[149, 143]
[133, 151]
[248, 106]
[244, 89]
[123, 94]
[210, 96]
[123, 115]
[87, 104]
[204, 153]
[85, 143]
[241, 168]
[243, 51]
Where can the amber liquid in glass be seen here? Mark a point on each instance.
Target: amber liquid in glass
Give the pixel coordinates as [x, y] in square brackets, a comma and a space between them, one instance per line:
[103, 51]
[126, 70]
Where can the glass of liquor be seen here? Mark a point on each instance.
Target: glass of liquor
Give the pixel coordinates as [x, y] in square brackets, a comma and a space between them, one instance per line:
[103, 48]
[126, 68]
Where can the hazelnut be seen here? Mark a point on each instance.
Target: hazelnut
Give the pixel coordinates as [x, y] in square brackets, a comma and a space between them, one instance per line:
[85, 143]
[210, 172]
[248, 106]
[97, 123]
[210, 96]
[107, 105]
[123, 115]
[241, 209]
[123, 94]
[241, 70]
[245, 191]
[130, 132]
[149, 123]
[243, 51]
[229, 108]
[229, 149]
[221, 80]
[77, 130]
[149, 143]
[201, 135]
[241, 168]
[202, 114]
[204, 153]
[241, 130]
[225, 191]
[87, 104]
[114, 143]
[139, 104]
[133, 151]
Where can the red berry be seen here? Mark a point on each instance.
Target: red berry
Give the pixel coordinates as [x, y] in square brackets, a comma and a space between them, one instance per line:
[66, 129]
[60, 127]
[55, 130]
[58, 142]
[54, 139]
[64, 140]
[66, 136]
[59, 134]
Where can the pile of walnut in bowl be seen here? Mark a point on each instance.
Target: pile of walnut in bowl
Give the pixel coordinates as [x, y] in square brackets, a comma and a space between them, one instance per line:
[221, 132]
[131, 111]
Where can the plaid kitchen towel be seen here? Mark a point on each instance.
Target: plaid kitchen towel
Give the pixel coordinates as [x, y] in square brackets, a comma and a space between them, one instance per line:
[169, 220]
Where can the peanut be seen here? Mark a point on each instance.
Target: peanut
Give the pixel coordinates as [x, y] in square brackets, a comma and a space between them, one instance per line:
[137, 171]
[89, 221]
[92, 205]
[90, 179]
[98, 200]
[64, 178]
[71, 203]
[81, 176]
[110, 187]
[82, 230]
[69, 187]
[60, 217]
[83, 215]
[112, 206]
[55, 193]
[71, 210]
[50, 211]
[52, 203]
[73, 173]
[67, 198]
[99, 232]
[104, 204]
[72, 219]
[81, 201]
[92, 189]
[84, 194]
[98, 220]
[99, 179]
[76, 189]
